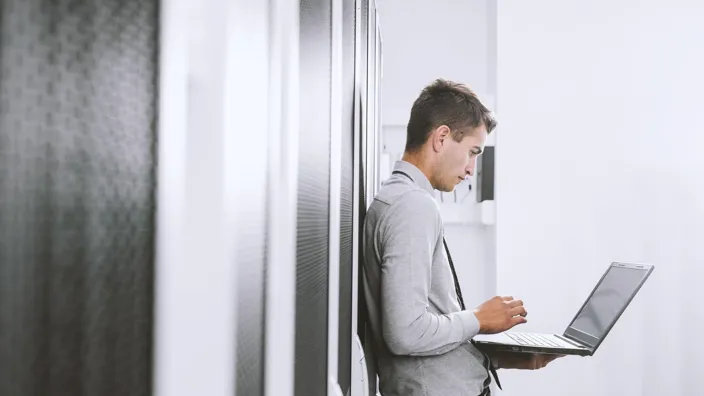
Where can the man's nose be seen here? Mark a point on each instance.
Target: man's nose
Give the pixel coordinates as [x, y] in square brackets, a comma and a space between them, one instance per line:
[469, 170]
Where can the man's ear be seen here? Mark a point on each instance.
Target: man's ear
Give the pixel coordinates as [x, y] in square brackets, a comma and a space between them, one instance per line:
[439, 137]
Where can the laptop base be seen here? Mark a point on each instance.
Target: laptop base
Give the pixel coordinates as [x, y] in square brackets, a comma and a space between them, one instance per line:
[520, 343]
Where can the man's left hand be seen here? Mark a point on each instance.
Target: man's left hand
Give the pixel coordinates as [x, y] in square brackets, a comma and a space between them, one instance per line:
[524, 361]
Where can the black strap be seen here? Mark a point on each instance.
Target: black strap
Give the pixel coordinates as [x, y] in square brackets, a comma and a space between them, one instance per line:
[398, 172]
[487, 361]
[458, 290]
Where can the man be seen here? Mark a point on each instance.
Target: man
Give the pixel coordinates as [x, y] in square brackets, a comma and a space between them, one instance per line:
[420, 328]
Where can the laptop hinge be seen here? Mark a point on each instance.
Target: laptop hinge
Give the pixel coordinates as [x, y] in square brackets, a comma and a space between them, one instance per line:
[573, 341]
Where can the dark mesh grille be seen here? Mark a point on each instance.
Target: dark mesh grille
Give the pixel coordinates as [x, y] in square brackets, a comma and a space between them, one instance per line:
[346, 198]
[77, 142]
[313, 200]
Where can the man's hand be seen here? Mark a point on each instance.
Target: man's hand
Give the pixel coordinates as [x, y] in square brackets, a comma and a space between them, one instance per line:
[500, 314]
[523, 361]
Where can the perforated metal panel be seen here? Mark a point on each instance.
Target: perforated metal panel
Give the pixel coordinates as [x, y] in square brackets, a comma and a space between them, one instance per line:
[77, 127]
[313, 200]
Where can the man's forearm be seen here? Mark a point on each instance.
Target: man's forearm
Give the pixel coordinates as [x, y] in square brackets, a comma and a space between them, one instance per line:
[429, 334]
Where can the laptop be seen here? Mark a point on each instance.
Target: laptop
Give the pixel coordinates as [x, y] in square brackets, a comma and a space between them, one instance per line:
[589, 327]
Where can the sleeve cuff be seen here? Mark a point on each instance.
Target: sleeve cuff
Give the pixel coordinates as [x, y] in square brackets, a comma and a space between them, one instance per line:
[470, 324]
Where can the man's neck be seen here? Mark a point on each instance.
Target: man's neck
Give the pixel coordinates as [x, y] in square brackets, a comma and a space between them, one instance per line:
[417, 160]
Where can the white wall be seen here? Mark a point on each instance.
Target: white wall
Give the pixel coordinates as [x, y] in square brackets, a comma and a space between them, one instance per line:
[471, 249]
[425, 40]
[450, 39]
[600, 158]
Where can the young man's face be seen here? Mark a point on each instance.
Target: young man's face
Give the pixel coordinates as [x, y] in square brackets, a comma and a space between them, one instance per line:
[457, 160]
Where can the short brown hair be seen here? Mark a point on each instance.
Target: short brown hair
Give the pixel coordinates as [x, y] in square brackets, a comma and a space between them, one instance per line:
[446, 103]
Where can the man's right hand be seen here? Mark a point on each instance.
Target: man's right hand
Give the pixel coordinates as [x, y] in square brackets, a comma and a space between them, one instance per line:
[500, 314]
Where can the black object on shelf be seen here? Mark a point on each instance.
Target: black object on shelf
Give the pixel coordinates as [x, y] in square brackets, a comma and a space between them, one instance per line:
[485, 175]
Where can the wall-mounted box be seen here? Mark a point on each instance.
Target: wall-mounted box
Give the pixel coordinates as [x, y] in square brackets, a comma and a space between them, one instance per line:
[485, 175]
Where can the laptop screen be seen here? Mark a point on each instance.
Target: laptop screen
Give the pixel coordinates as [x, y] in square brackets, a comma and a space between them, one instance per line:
[607, 302]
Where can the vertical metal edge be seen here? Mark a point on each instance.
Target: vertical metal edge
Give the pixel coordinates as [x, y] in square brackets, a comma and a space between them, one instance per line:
[171, 184]
[282, 182]
[377, 104]
[363, 75]
[371, 110]
[232, 178]
[356, 387]
[246, 180]
[335, 186]
[194, 302]
[373, 130]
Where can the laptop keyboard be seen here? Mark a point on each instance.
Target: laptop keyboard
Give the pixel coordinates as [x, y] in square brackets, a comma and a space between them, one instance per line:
[533, 339]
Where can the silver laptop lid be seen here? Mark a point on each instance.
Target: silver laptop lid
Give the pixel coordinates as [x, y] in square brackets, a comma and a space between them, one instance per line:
[607, 301]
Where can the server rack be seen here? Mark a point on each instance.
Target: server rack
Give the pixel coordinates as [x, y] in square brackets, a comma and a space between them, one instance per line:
[232, 266]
